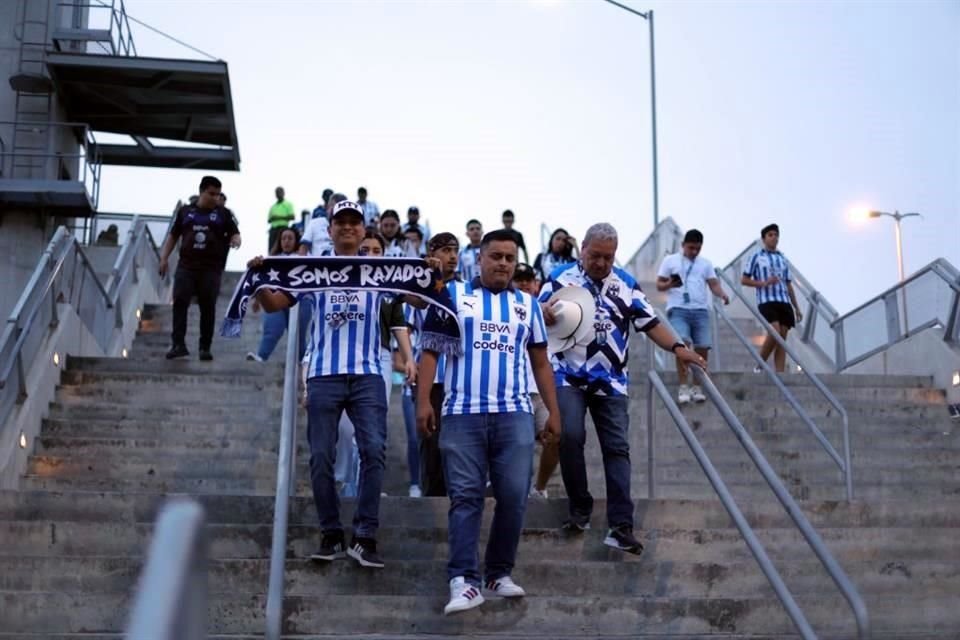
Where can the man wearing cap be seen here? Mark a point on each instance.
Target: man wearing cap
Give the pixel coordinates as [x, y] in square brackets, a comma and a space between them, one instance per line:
[488, 420]
[592, 375]
[371, 212]
[413, 222]
[443, 251]
[344, 374]
[525, 279]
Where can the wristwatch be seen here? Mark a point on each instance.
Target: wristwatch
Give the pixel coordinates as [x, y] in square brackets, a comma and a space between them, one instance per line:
[677, 345]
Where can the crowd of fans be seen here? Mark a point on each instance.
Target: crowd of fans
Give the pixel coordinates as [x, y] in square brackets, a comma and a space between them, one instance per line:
[473, 414]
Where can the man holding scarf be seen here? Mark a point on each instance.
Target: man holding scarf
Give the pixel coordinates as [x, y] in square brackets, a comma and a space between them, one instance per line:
[344, 374]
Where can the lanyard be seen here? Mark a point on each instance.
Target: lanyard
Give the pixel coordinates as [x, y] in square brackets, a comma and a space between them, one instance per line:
[686, 277]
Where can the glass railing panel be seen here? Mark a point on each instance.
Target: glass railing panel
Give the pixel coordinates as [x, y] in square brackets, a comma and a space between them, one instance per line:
[865, 330]
[825, 337]
[926, 298]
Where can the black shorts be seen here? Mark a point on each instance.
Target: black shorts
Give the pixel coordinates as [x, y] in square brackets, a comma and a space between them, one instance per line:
[778, 312]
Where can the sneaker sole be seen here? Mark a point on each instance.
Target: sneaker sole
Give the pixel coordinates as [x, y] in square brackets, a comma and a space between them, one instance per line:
[328, 558]
[363, 563]
[471, 604]
[610, 541]
[494, 594]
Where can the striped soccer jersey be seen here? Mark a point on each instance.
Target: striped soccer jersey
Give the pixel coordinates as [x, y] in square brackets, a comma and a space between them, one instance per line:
[415, 318]
[601, 366]
[345, 333]
[497, 328]
[468, 265]
[764, 264]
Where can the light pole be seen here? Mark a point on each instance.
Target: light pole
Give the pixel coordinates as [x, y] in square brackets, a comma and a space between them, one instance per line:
[648, 16]
[897, 217]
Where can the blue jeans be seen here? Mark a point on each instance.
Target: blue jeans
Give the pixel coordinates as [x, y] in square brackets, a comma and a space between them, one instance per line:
[413, 448]
[473, 446]
[612, 421]
[274, 326]
[692, 325]
[362, 397]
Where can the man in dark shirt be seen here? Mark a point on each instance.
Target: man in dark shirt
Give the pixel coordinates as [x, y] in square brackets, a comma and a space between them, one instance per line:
[508, 220]
[203, 229]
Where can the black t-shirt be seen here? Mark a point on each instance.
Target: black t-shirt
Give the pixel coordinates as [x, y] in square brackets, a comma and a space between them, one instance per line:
[204, 236]
[518, 238]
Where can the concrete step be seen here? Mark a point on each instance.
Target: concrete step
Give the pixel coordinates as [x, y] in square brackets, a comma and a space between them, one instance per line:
[427, 512]
[872, 545]
[543, 577]
[532, 616]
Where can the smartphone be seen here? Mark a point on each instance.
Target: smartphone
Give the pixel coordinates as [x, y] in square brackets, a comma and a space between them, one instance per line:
[676, 280]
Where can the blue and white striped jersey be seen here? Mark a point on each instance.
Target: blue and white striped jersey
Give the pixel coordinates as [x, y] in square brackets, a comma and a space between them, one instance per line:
[345, 333]
[496, 330]
[764, 264]
[414, 318]
[601, 367]
[468, 266]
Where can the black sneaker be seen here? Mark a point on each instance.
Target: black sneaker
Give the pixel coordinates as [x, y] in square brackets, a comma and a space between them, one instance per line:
[205, 355]
[177, 351]
[332, 546]
[622, 538]
[364, 551]
[575, 525]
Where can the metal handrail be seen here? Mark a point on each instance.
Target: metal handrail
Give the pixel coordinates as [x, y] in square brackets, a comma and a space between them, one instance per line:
[42, 289]
[792, 401]
[837, 574]
[286, 463]
[805, 370]
[171, 602]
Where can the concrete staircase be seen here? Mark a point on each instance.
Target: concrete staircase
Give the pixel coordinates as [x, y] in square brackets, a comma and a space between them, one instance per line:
[124, 434]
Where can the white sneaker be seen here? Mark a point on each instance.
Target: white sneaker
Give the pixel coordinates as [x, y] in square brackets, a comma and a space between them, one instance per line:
[463, 596]
[683, 395]
[536, 493]
[696, 394]
[415, 491]
[758, 369]
[252, 357]
[504, 587]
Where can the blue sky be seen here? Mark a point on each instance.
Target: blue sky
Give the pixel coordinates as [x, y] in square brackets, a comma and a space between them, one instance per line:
[791, 112]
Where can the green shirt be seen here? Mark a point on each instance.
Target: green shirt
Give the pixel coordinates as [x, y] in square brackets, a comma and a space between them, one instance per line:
[281, 214]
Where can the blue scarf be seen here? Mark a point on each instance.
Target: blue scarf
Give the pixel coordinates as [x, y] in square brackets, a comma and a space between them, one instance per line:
[303, 274]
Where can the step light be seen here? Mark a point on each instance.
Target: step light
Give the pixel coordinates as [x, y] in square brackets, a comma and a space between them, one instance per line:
[139, 315]
[124, 353]
[23, 440]
[956, 378]
[56, 359]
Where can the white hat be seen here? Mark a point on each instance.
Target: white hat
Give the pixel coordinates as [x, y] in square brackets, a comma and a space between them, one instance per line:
[347, 207]
[574, 310]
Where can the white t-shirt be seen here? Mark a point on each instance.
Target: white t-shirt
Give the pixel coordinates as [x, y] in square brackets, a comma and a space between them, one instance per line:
[694, 275]
[317, 236]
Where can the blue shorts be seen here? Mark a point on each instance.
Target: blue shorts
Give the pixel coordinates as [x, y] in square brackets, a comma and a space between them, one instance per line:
[692, 325]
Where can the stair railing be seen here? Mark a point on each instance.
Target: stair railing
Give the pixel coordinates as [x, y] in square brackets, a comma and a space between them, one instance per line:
[842, 463]
[839, 577]
[286, 463]
[64, 274]
[812, 377]
[171, 602]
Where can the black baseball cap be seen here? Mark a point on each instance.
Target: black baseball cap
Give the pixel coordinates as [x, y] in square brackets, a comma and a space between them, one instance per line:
[524, 272]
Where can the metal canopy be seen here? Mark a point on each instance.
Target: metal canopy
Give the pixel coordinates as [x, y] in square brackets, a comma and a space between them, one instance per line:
[57, 197]
[172, 99]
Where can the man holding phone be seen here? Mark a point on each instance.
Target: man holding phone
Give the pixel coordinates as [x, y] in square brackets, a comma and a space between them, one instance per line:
[686, 276]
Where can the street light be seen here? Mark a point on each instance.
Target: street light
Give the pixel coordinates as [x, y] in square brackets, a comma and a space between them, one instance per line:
[648, 16]
[897, 216]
